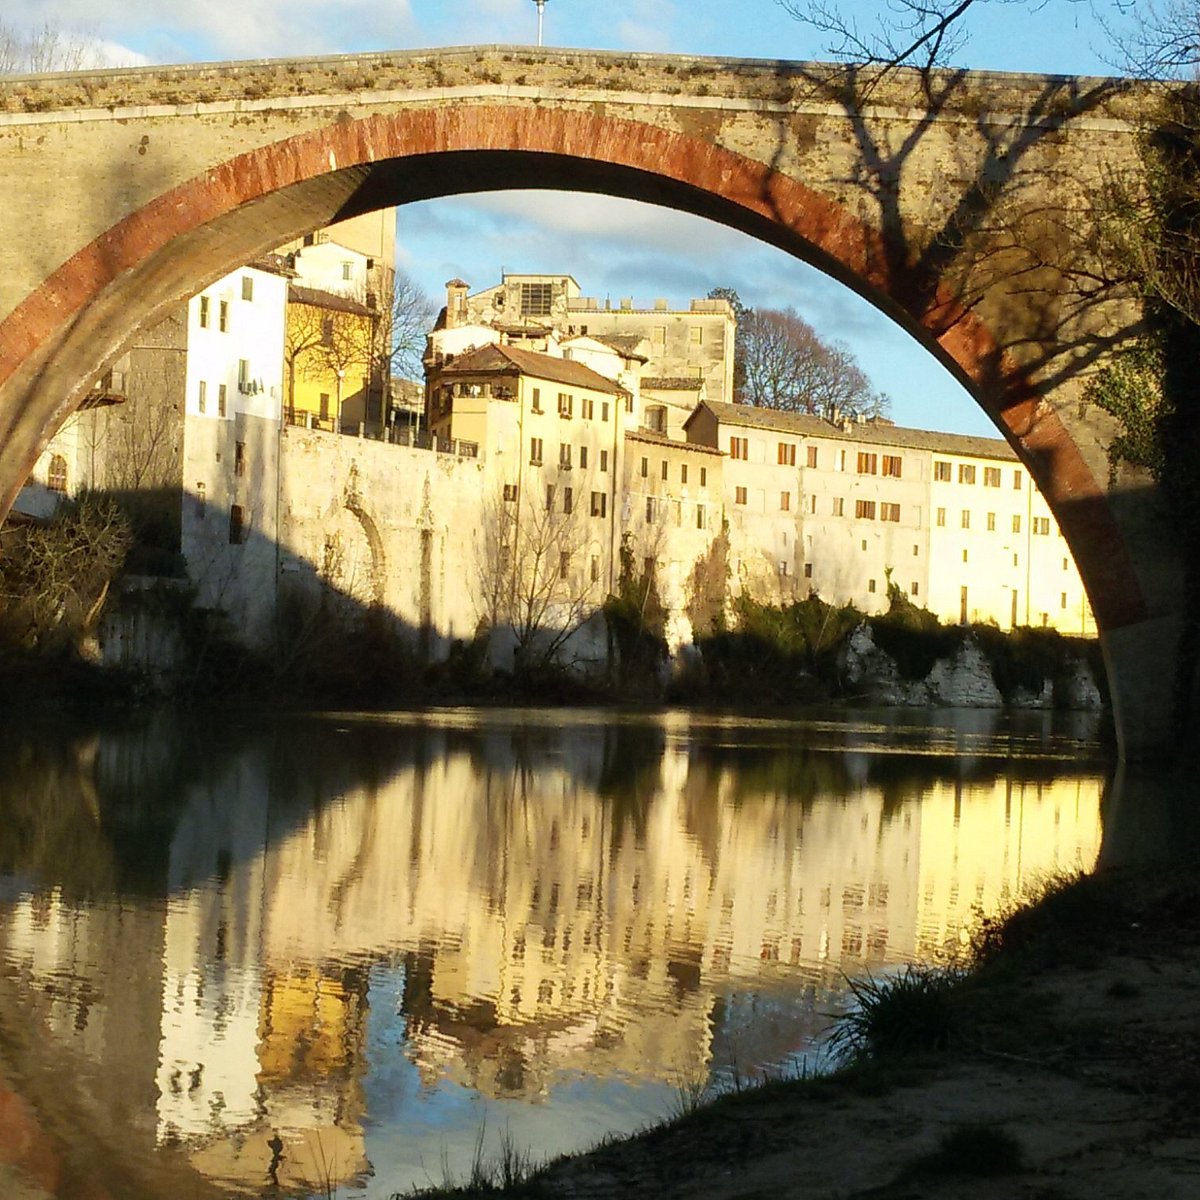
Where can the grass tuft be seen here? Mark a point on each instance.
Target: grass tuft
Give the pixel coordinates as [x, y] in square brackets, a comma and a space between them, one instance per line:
[983, 1151]
[913, 1012]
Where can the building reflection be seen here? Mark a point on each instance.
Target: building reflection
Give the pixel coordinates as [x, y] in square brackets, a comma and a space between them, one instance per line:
[609, 900]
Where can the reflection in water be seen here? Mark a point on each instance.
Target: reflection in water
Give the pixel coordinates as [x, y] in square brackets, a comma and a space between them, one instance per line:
[368, 936]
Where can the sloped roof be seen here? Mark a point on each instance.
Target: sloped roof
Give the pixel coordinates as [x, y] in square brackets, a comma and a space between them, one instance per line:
[808, 425]
[529, 362]
[625, 344]
[319, 298]
[661, 439]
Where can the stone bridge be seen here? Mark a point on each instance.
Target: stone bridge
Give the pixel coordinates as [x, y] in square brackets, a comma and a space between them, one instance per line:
[958, 204]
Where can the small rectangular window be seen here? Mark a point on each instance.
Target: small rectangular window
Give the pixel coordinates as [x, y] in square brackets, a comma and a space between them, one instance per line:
[991, 477]
[991, 522]
[604, 460]
[549, 497]
[808, 570]
[645, 468]
[739, 447]
[586, 407]
[739, 495]
[247, 287]
[867, 463]
[893, 465]
[811, 456]
[889, 512]
[701, 517]
[564, 563]
[1017, 481]
[535, 452]
[696, 335]
[510, 492]
[703, 476]
[941, 517]
[564, 456]
[649, 510]
[599, 504]
[915, 588]
[222, 400]
[665, 468]
[202, 399]
[966, 518]
[239, 458]
[787, 454]
[535, 404]
[583, 458]
[568, 501]
[839, 506]
[595, 568]
[604, 410]
[237, 525]
[1016, 523]
[785, 501]
[683, 473]
[870, 585]
[966, 473]
[223, 317]
[204, 316]
[347, 272]
[864, 510]
[941, 471]
[565, 404]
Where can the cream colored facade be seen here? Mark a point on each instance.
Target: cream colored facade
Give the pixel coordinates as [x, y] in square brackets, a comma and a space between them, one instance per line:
[954, 522]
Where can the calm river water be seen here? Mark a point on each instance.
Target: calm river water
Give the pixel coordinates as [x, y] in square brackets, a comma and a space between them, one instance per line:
[368, 941]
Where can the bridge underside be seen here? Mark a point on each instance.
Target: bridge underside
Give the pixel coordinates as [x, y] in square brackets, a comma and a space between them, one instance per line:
[359, 155]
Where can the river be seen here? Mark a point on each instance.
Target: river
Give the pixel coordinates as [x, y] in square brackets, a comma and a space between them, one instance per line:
[338, 952]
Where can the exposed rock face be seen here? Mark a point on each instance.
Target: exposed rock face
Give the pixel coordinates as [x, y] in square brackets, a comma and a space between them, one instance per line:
[962, 681]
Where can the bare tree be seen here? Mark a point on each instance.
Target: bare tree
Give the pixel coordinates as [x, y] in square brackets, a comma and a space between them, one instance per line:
[786, 365]
[534, 575]
[406, 313]
[45, 49]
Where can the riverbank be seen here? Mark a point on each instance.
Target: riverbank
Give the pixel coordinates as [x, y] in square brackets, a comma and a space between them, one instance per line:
[1062, 1063]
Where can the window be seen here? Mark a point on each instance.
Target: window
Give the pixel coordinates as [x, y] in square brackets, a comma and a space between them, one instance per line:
[649, 510]
[991, 521]
[991, 476]
[811, 456]
[964, 556]
[565, 404]
[659, 335]
[916, 551]
[1064, 599]
[966, 518]
[739, 495]
[564, 456]
[247, 287]
[839, 462]
[701, 517]
[222, 399]
[201, 501]
[703, 476]
[664, 470]
[787, 454]
[808, 570]
[536, 299]
[56, 477]
[535, 452]
[583, 458]
[812, 506]
[941, 517]
[347, 271]
[785, 501]
[915, 588]
[223, 317]
[510, 492]
[202, 399]
[564, 563]
[1041, 525]
[645, 468]
[739, 447]
[324, 406]
[864, 510]
[599, 504]
[683, 473]
[889, 512]
[1017, 523]
[696, 335]
[237, 525]
[1016, 481]
[870, 585]
[941, 471]
[204, 317]
[839, 506]
[892, 465]
[568, 501]
[966, 472]
[1064, 564]
[536, 403]
[595, 568]
[604, 460]
[549, 497]
[243, 375]
[604, 410]
[239, 458]
[586, 407]
[868, 464]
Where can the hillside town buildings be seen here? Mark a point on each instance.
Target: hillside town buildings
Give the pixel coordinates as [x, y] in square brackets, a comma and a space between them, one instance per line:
[557, 445]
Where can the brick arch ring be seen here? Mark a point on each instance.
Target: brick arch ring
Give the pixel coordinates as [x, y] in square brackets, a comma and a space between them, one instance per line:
[694, 175]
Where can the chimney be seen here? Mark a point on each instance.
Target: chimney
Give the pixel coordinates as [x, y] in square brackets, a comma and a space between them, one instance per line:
[456, 303]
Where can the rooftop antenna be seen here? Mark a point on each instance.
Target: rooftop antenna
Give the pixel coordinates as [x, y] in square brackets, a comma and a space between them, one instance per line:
[541, 7]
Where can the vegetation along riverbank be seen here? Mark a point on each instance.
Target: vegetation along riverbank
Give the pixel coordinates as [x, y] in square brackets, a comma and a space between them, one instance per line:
[1057, 1057]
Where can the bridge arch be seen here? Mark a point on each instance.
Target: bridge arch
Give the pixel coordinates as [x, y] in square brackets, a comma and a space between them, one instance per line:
[54, 341]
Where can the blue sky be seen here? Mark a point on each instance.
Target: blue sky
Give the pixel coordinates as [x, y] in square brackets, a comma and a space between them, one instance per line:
[614, 248]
